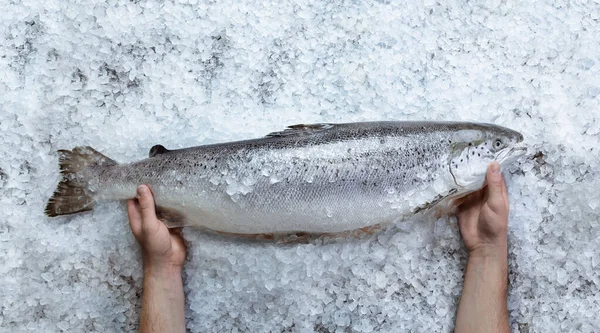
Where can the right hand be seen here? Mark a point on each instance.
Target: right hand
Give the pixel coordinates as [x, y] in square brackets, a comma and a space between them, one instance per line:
[483, 216]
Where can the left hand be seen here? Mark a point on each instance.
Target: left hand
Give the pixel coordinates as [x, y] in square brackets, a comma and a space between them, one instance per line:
[162, 247]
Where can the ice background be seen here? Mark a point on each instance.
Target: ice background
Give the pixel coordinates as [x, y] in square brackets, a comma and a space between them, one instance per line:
[122, 76]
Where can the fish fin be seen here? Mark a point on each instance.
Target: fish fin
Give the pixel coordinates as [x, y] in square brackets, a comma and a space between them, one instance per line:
[72, 194]
[306, 237]
[170, 217]
[435, 201]
[451, 203]
[246, 236]
[357, 233]
[301, 129]
[157, 150]
[285, 238]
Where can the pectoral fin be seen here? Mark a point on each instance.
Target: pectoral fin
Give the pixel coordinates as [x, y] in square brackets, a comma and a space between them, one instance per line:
[435, 201]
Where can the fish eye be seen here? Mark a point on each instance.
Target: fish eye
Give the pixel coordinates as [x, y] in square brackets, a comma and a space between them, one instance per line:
[497, 144]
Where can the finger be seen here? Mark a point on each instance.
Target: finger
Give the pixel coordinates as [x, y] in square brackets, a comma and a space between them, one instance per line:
[149, 220]
[135, 217]
[495, 188]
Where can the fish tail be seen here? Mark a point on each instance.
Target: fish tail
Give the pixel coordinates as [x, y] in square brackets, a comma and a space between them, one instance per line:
[78, 167]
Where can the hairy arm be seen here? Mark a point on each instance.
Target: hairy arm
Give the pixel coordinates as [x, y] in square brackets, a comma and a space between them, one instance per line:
[482, 305]
[163, 257]
[483, 223]
[163, 301]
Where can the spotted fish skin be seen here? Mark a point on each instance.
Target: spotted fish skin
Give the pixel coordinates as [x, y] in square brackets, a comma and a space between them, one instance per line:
[320, 178]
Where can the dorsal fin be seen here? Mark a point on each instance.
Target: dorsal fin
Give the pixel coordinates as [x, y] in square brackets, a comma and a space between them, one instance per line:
[157, 150]
[301, 129]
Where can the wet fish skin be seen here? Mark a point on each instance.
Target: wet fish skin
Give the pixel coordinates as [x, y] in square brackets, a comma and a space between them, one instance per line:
[317, 178]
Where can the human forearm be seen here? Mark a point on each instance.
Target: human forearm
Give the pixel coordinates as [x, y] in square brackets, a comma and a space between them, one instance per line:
[483, 304]
[162, 300]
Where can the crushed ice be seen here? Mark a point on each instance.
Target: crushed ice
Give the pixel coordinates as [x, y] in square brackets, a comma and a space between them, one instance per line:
[122, 77]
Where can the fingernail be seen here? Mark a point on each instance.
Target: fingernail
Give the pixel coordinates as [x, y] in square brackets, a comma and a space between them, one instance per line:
[142, 190]
[495, 168]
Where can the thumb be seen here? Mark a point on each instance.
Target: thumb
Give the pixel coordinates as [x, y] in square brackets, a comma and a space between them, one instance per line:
[495, 188]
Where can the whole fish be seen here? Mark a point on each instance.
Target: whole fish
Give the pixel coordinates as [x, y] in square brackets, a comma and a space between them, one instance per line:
[318, 178]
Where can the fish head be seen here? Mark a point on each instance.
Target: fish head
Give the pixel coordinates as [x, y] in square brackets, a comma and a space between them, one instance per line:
[473, 148]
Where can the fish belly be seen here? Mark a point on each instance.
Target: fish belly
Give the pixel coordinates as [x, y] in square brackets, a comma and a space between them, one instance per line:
[264, 212]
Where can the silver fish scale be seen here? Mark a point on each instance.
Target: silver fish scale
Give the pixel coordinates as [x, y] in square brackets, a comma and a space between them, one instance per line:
[331, 180]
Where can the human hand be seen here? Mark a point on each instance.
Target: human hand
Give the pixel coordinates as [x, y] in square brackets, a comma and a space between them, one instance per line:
[483, 216]
[163, 248]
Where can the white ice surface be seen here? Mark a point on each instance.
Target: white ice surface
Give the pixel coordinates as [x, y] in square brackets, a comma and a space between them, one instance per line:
[122, 76]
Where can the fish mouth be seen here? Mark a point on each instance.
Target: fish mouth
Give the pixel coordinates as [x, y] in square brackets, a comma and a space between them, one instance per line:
[508, 156]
